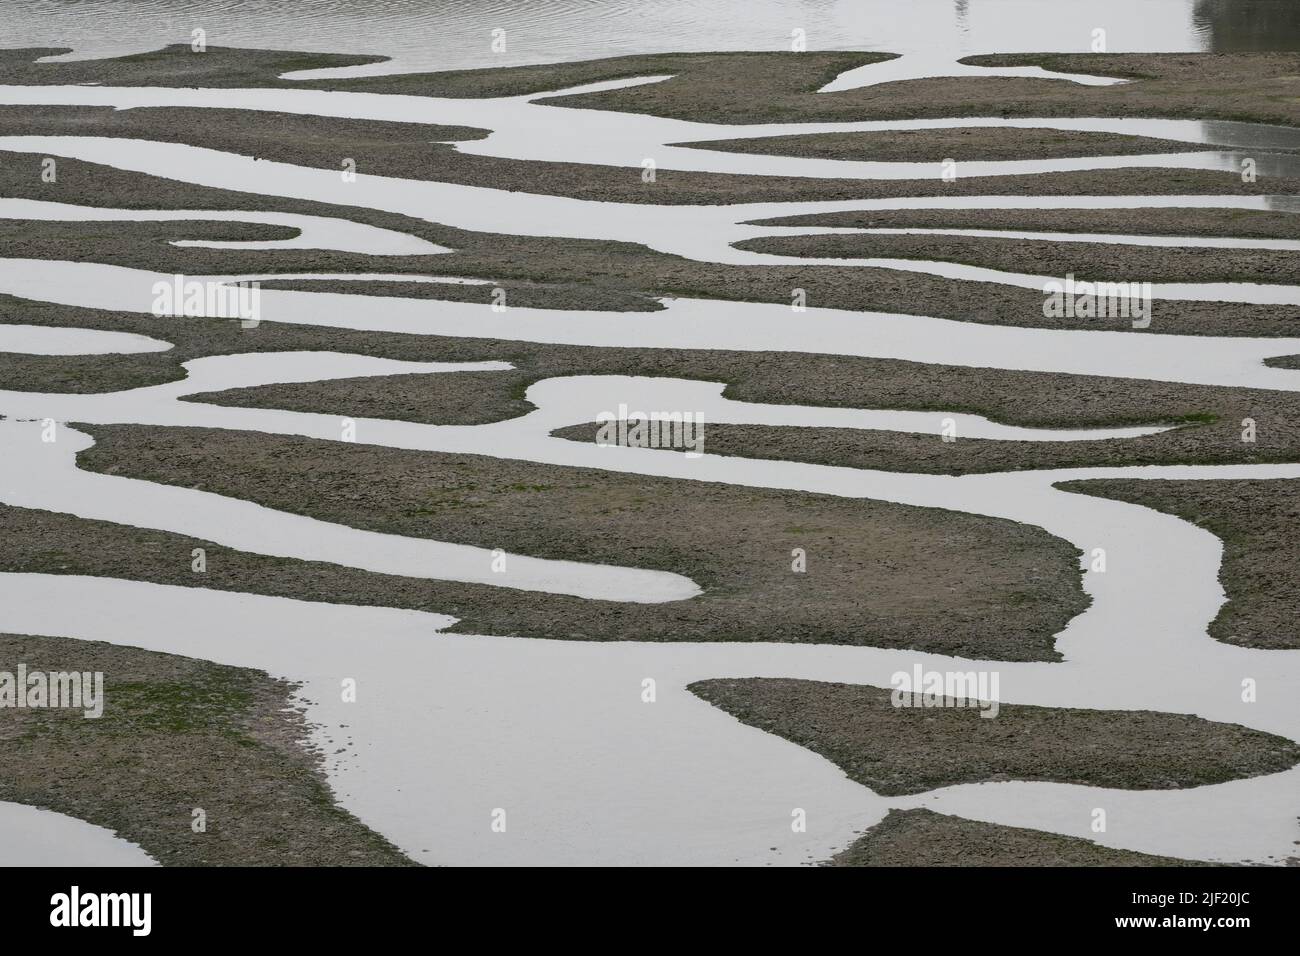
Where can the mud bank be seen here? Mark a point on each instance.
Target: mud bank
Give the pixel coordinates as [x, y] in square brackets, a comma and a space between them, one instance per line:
[870, 554]
[178, 735]
[926, 838]
[898, 750]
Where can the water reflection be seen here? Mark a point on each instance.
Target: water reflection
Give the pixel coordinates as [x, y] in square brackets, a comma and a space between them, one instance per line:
[1229, 26]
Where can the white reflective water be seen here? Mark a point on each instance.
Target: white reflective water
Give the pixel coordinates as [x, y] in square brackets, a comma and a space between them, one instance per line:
[1121, 239]
[30, 836]
[46, 340]
[463, 723]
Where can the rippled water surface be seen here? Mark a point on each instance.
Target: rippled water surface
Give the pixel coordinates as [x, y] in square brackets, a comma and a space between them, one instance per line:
[446, 34]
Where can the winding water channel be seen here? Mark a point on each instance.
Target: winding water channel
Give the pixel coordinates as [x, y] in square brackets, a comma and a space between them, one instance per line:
[458, 722]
